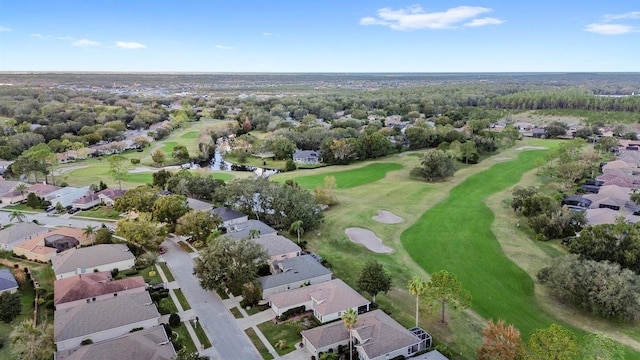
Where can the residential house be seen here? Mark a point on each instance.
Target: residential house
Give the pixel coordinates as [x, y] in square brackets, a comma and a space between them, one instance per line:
[103, 257]
[4, 165]
[151, 343]
[108, 196]
[87, 202]
[376, 336]
[250, 228]
[278, 247]
[306, 157]
[19, 233]
[328, 300]
[83, 288]
[67, 195]
[431, 355]
[8, 283]
[42, 190]
[103, 320]
[44, 247]
[7, 187]
[293, 273]
[198, 205]
[229, 217]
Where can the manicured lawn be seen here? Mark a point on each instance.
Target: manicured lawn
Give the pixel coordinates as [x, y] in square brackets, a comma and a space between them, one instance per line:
[100, 213]
[21, 207]
[257, 162]
[236, 313]
[140, 178]
[166, 271]
[223, 295]
[149, 279]
[224, 176]
[456, 235]
[183, 300]
[169, 305]
[288, 331]
[185, 246]
[202, 336]
[190, 135]
[350, 178]
[266, 355]
[256, 309]
[184, 338]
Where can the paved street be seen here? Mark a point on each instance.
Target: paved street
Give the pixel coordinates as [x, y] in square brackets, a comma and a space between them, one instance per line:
[229, 342]
[63, 220]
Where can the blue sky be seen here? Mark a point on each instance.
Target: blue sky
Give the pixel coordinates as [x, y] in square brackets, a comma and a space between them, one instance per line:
[320, 35]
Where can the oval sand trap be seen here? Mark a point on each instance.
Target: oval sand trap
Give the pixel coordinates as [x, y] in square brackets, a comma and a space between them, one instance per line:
[367, 238]
[387, 217]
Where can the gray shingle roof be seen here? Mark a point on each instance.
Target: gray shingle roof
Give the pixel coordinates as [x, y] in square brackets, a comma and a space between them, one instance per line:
[91, 256]
[144, 344]
[243, 230]
[330, 297]
[7, 281]
[277, 245]
[298, 268]
[383, 333]
[90, 318]
[20, 231]
[227, 214]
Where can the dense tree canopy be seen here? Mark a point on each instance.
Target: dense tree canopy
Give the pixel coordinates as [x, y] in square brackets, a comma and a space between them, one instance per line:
[373, 279]
[435, 165]
[619, 243]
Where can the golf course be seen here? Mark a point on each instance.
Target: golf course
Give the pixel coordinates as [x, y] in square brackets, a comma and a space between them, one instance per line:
[463, 225]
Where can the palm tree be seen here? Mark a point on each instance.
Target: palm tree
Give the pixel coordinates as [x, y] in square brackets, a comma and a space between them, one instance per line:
[297, 227]
[417, 286]
[350, 318]
[22, 188]
[89, 232]
[17, 215]
[31, 342]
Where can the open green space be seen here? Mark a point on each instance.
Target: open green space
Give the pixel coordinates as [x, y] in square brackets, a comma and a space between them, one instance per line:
[266, 355]
[139, 178]
[455, 235]
[349, 178]
[220, 175]
[182, 299]
[593, 117]
[190, 135]
[20, 207]
[288, 332]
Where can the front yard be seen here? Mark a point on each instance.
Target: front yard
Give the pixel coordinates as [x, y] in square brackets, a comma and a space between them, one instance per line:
[284, 336]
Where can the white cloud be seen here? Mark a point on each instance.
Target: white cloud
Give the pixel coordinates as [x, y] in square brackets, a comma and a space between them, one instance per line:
[85, 42]
[5, 29]
[609, 29]
[484, 22]
[414, 18]
[224, 47]
[38, 36]
[270, 35]
[130, 45]
[629, 15]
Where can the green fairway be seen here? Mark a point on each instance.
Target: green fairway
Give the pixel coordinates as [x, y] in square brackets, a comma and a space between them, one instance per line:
[456, 235]
[190, 135]
[141, 178]
[350, 178]
[224, 176]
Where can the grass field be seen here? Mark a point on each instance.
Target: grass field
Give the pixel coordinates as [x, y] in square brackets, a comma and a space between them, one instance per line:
[100, 213]
[500, 289]
[349, 178]
[166, 271]
[266, 355]
[182, 299]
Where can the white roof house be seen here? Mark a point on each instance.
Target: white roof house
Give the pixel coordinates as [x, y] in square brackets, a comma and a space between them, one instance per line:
[8, 282]
[18, 233]
[293, 273]
[278, 247]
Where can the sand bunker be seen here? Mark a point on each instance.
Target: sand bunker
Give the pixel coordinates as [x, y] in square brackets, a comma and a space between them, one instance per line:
[367, 238]
[528, 147]
[387, 217]
[501, 158]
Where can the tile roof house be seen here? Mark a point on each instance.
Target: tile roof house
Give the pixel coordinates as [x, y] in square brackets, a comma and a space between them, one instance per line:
[82, 288]
[18, 233]
[36, 248]
[86, 202]
[103, 257]
[103, 320]
[151, 344]
[230, 217]
[278, 247]
[293, 273]
[376, 336]
[8, 283]
[108, 196]
[42, 190]
[328, 300]
[245, 229]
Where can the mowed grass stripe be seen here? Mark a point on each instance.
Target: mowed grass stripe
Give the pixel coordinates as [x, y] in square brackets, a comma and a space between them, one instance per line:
[350, 178]
[456, 235]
